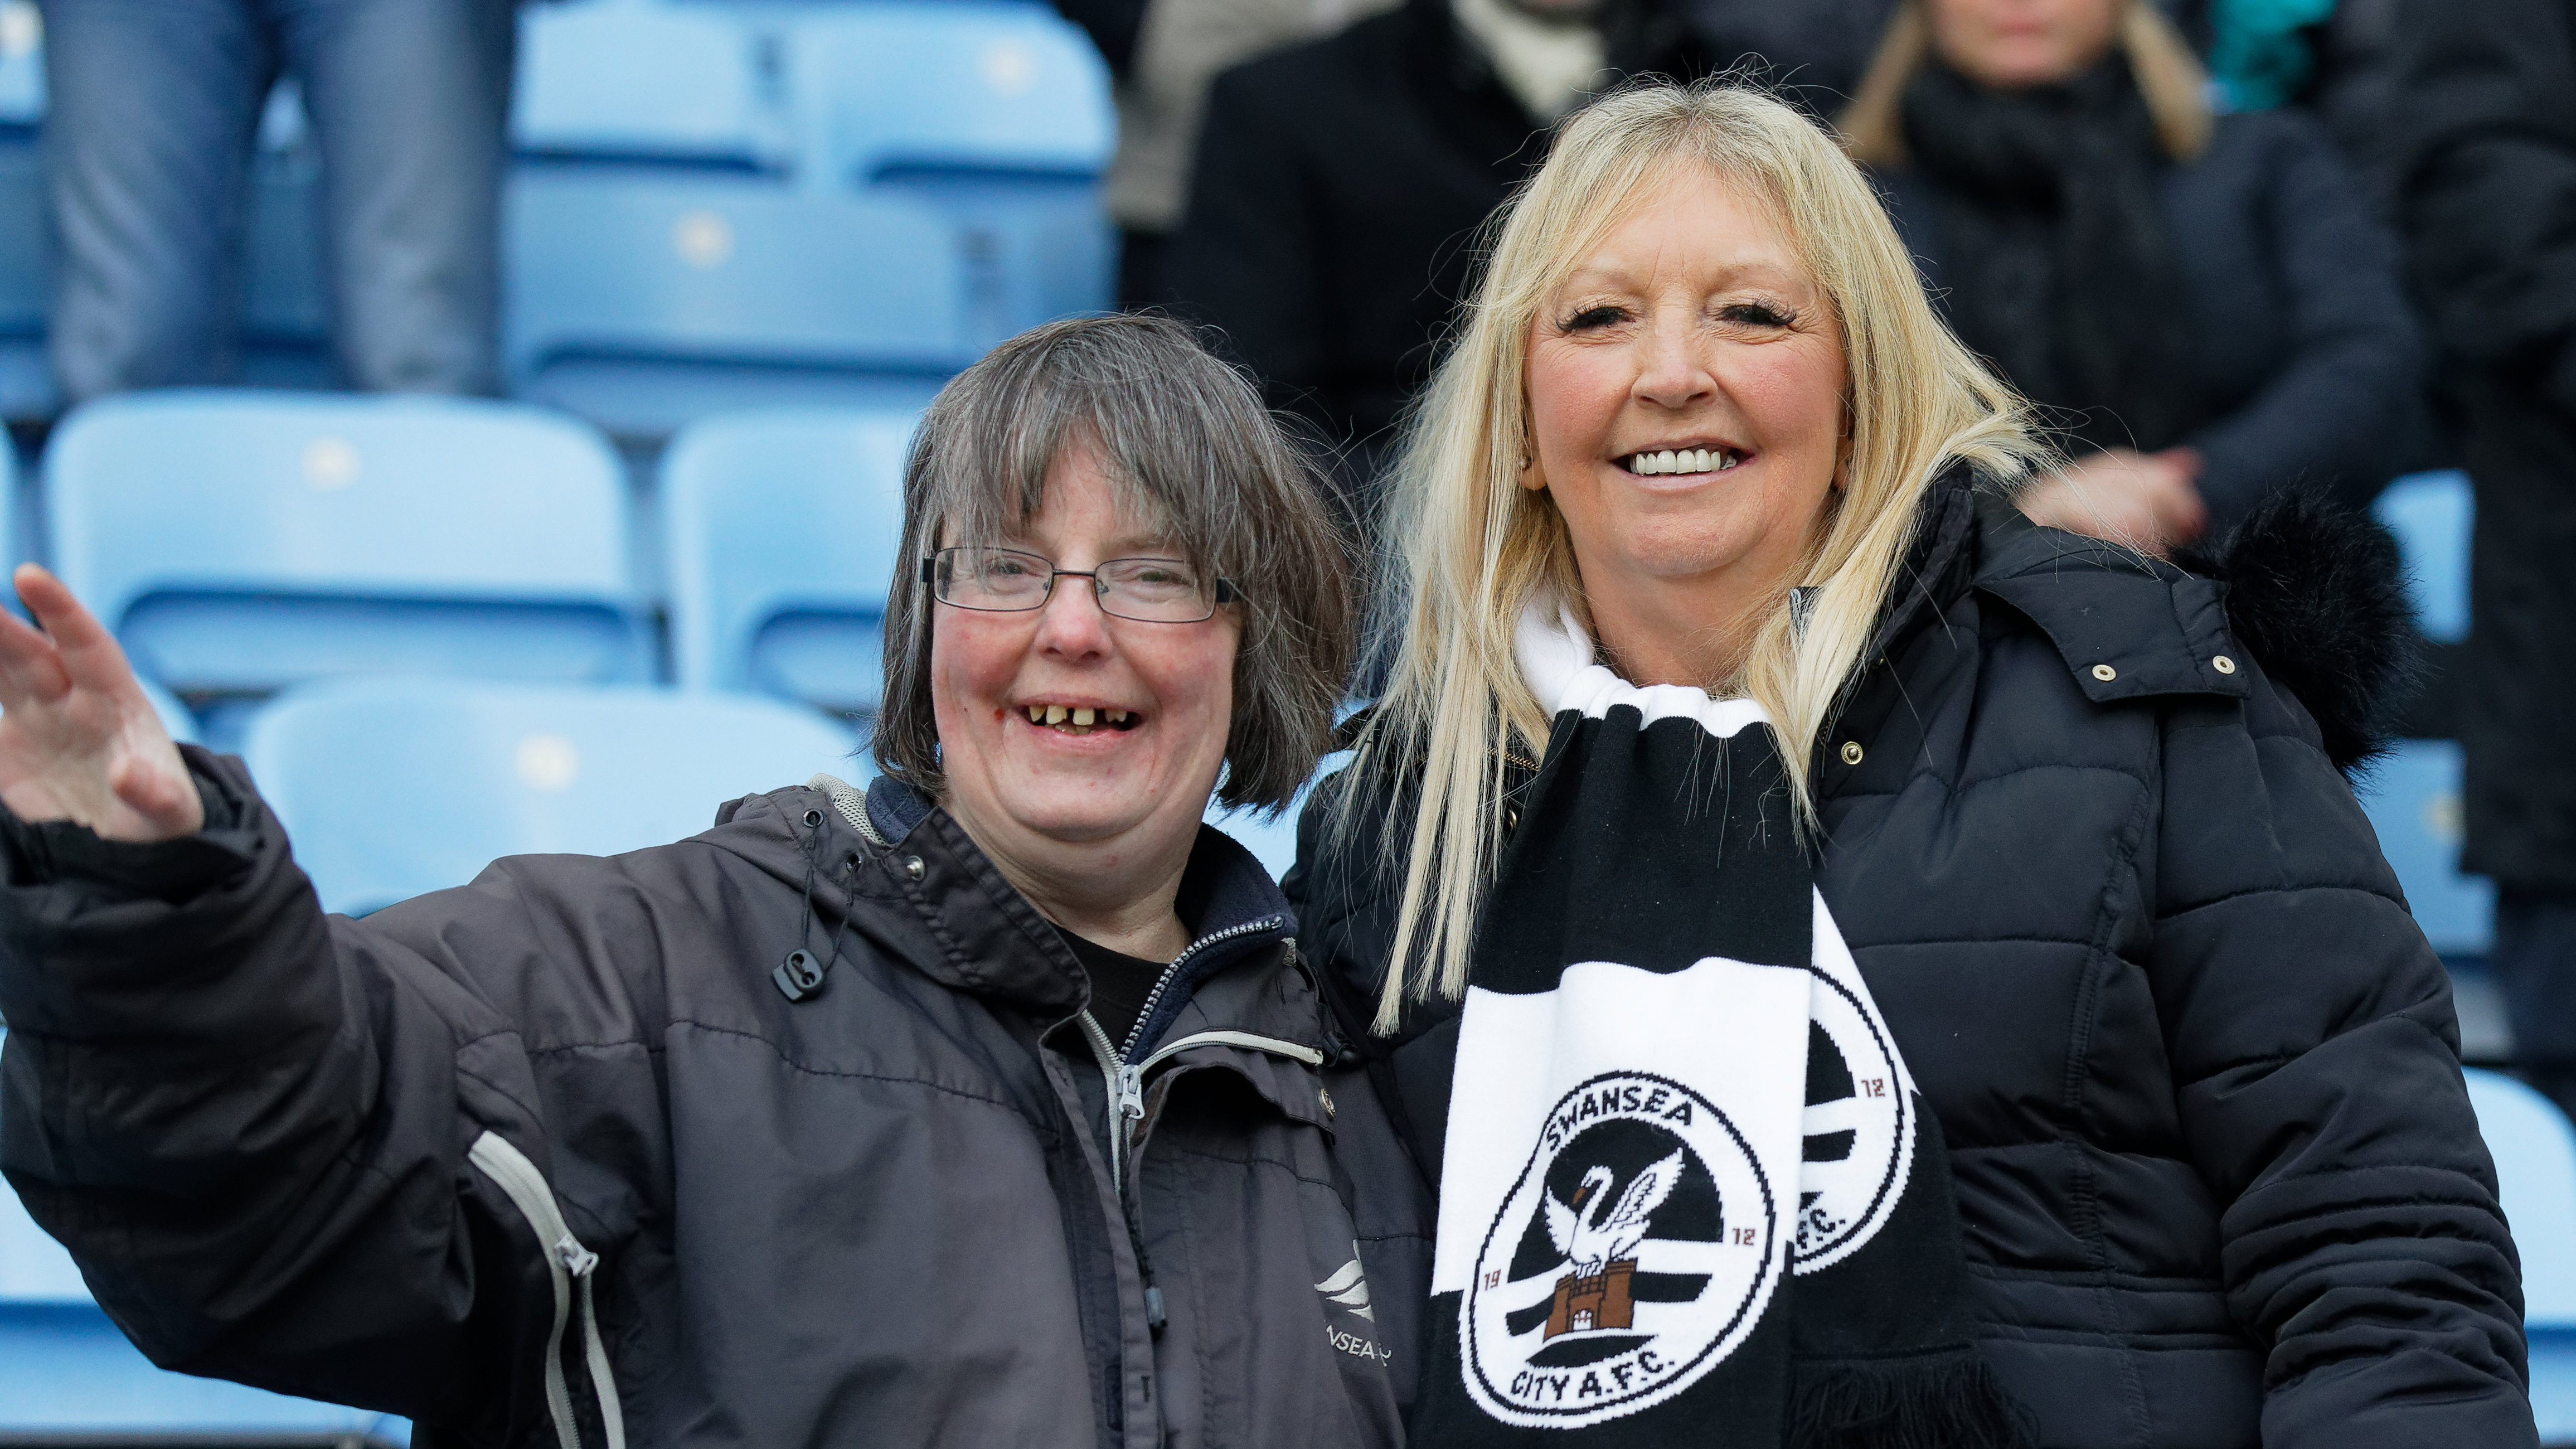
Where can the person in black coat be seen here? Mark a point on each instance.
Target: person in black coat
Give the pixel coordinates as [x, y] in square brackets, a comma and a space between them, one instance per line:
[2485, 154]
[2208, 305]
[2081, 815]
[1338, 187]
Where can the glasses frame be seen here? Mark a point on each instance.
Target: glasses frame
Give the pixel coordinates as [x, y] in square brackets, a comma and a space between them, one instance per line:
[1222, 592]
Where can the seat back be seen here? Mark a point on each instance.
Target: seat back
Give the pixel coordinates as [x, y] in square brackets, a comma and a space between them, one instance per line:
[240, 542]
[26, 382]
[995, 115]
[640, 82]
[2535, 1158]
[1003, 92]
[22, 66]
[2413, 800]
[640, 300]
[783, 529]
[393, 787]
[2431, 514]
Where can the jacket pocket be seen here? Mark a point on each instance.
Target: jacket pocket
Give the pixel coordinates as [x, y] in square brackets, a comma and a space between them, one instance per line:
[567, 1263]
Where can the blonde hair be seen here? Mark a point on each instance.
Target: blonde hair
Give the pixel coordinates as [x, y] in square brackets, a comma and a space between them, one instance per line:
[1473, 546]
[2172, 79]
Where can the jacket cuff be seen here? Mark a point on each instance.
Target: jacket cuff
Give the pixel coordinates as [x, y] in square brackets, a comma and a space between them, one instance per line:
[222, 850]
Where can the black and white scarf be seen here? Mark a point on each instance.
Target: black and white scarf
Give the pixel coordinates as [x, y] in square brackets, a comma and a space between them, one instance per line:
[1688, 1195]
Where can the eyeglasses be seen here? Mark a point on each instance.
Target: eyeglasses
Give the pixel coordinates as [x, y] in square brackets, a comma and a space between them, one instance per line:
[1005, 580]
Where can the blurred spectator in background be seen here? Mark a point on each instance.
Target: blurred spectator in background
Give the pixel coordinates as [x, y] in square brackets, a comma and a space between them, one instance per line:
[154, 110]
[2207, 304]
[1339, 185]
[1163, 55]
[2485, 136]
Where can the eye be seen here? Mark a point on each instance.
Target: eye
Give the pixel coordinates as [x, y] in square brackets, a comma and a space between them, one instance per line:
[1756, 314]
[1593, 318]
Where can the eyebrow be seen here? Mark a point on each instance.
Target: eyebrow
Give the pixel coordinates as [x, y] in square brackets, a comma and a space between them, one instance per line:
[1733, 274]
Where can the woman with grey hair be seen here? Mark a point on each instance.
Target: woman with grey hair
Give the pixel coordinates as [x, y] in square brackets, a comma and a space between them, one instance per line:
[995, 1106]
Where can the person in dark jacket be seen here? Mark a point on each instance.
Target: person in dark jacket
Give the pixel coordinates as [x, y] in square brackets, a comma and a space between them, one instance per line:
[996, 1106]
[2216, 1172]
[1338, 186]
[2208, 307]
[2484, 147]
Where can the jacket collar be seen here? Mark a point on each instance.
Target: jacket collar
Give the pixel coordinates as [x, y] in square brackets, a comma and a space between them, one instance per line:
[993, 942]
[2154, 628]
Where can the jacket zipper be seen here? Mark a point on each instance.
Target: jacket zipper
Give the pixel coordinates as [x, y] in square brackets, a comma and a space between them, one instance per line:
[567, 1263]
[1162, 983]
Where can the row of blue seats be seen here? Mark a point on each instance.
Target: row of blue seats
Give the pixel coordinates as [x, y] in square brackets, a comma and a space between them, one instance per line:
[717, 206]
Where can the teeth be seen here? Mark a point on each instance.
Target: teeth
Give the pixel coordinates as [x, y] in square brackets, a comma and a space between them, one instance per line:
[1704, 460]
[1037, 714]
[1117, 716]
[1726, 460]
[1084, 717]
[1055, 714]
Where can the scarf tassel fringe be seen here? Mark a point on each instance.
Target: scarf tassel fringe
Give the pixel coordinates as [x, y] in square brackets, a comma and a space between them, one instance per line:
[1947, 1400]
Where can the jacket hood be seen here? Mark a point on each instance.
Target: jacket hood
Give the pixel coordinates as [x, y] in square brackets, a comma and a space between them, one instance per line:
[2308, 589]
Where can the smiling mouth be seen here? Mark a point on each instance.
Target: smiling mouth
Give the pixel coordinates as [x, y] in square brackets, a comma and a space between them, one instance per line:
[1080, 720]
[1668, 461]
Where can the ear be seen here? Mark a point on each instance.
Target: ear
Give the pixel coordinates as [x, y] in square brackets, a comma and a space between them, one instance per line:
[1532, 476]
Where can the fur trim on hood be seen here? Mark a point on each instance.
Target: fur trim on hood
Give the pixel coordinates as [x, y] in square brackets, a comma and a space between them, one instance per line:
[2317, 593]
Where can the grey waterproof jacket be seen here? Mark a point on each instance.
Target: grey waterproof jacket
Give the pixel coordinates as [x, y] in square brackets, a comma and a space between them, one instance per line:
[550, 1159]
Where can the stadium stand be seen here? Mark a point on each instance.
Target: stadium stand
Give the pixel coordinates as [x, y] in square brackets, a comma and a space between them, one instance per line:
[2535, 1157]
[2431, 513]
[996, 115]
[393, 787]
[238, 542]
[781, 530]
[637, 82]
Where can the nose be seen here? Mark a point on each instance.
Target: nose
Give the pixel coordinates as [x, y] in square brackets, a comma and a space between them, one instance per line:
[1671, 373]
[1071, 624]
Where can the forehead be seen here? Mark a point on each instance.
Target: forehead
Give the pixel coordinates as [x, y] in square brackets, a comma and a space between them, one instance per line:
[1687, 223]
[1084, 500]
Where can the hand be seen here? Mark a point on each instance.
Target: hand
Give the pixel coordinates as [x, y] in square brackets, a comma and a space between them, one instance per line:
[2146, 500]
[78, 740]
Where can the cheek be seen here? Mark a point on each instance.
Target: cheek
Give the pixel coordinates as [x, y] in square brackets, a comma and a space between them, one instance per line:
[1793, 399]
[1574, 395]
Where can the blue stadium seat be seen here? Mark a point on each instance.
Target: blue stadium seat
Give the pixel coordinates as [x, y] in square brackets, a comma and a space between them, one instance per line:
[644, 301]
[640, 82]
[782, 529]
[22, 66]
[26, 386]
[998, 115]
[393, 787]
[2535, 1158]
[2431, 514]
[2413, 800]
[68, 1376]
[239, 542]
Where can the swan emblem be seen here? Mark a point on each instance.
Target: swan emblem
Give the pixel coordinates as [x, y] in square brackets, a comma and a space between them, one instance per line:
[1593, 1233]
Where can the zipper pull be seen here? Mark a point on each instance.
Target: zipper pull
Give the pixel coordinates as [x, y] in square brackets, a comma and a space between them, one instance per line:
[1131, 1096]
[577, 1260]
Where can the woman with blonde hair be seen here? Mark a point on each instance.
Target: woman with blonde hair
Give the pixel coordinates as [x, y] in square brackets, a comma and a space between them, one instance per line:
[1858, 967]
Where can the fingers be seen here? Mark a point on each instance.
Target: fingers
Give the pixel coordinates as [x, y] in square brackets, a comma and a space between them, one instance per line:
[31, 670]
[160, 791]
[89, 653]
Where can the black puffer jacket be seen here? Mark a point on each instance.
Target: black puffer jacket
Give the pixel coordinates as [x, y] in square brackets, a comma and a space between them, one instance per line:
[550, 1151]
[2197, 1069]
